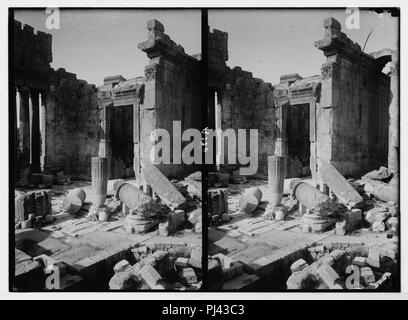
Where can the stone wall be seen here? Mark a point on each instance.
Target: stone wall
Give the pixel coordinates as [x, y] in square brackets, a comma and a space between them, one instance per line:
[71, 124]
[246, 102]
[352, 116]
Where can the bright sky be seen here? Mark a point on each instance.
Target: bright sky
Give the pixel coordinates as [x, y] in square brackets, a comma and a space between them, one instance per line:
[271, 42]
[98, 43]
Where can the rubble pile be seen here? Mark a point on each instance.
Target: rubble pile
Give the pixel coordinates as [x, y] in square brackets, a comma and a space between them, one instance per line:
[345, 266]
[152, 268]
[32, 209]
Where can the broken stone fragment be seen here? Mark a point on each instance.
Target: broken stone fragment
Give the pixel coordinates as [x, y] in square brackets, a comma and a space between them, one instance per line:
[150, 276]
[167, 192]
[121, 266]
[137, 201]
[122, 281]
[181, 262]
[373, 259]
[187, 276]
[163, 229]
[176, 219]
[194, 188]
[225, 217]
[378, 226]
[195, 216]
[74, 201]
[360, 261]
[367, 275]
[103, 213]
[298, 280]
[28, 273]
[381, 174]
[328, 275]
[249, 201]
[344, 192]
[383, 191]
[298, 265]
[195, 258]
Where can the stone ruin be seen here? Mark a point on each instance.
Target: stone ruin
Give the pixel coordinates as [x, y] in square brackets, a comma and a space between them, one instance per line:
[329, 150]
[69, 132]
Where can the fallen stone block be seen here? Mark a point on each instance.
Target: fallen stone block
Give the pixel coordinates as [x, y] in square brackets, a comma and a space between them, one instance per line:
[163, 229]
[336, 182]
[298, 265]
[250, 200]
[376, 214]
[378, 226]
[181, 262]
[136, 201]
[187, 276]
[328, 275]
[373, 259]
[167, 192]
[122, 281]
[176, 220]
[150, 276]
[341, 228]
[381, 174]
[194, 188]
[121, 266]
[367, 275]
[360, 261]
[196, 258]
[298, 280]
[217, 202]
[74, 201]
[225, 261]
[312, 198]
[383, 191]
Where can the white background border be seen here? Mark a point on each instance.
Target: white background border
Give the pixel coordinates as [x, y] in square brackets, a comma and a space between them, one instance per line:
[4, 185]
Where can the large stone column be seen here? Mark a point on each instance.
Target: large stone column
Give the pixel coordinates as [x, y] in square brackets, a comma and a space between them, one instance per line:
[35, 131]
[393, 142]
[43, 130]
[105, 150]
[13, 107]
[136, 143]
[281, 145]
[24, 136]
[276, 179]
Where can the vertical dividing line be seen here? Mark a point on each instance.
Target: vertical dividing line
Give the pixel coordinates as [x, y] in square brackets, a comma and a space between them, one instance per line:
[12, 146]
[204, 120]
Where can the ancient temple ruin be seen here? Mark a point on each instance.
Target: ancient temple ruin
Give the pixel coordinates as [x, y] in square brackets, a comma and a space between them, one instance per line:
[317, 202]
[121, 232]
[340, 115]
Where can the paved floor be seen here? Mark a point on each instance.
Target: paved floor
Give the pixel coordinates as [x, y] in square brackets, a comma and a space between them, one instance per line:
[263, 245]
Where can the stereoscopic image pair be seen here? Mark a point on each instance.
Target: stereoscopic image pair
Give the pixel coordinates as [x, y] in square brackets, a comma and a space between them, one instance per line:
[204, 149]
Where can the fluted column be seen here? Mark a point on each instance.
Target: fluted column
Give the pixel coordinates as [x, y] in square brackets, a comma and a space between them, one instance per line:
[24, 135]
[393, 142]
[35, 132]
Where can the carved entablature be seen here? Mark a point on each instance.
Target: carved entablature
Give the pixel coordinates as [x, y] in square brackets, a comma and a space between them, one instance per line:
[337, 42]
[299, 92]
[120, 93]
[159, 44]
